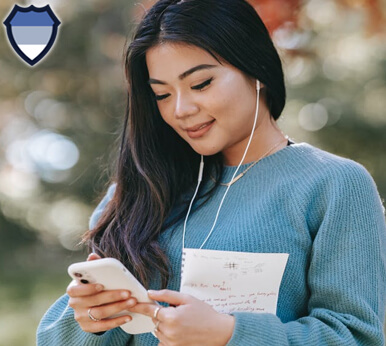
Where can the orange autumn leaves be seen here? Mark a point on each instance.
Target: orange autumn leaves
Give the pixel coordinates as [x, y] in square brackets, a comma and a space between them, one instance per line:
[275, 13]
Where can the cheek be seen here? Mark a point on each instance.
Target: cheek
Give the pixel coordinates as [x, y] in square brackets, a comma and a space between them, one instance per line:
[165, 113]
[236, 97]
[234, 107]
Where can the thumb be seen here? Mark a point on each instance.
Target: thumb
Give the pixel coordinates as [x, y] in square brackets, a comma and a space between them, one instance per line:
[93, 256]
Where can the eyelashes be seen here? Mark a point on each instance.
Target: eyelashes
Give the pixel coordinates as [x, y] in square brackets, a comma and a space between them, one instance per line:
[161, 97]
[202, 85]
[196, 87]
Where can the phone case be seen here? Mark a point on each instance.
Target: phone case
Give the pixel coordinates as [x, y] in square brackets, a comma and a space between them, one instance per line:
[113, 275]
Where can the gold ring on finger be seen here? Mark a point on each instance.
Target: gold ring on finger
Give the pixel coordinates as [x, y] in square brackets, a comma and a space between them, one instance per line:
[91, 316]
[156, 311]
[156, 330]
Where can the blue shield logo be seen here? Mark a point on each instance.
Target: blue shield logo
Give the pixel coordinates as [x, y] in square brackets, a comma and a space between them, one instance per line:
[32, 31]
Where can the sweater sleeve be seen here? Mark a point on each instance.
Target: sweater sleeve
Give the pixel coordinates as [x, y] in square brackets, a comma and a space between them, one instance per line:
[58, 326]
[346, 276]
[102, 204]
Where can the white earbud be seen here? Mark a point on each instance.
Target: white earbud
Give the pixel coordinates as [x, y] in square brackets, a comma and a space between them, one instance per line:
[257, 84]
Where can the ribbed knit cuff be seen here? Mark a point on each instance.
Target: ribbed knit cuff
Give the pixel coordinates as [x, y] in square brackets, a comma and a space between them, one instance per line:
[256, 329]
[59, 328]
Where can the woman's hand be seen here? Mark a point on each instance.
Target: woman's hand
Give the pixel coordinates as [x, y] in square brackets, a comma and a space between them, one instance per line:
[189, 322]
[103, 304]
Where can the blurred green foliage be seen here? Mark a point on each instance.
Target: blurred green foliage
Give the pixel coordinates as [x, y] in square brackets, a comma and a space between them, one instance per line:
[59, 122]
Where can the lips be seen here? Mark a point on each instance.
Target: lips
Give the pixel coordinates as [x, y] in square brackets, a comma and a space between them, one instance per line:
[199, 130]
[199, 126]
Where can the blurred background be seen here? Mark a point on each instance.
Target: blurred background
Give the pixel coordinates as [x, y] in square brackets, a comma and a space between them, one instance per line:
[60, 119]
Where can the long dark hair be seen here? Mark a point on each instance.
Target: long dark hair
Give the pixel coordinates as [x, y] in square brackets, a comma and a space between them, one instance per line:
[156, 169]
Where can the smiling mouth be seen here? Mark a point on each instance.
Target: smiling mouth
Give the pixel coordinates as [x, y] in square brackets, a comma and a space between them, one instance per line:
[199, 127]
[199, 130]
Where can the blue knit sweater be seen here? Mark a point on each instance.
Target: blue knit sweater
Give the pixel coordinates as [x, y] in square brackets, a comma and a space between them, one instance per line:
[324, 211]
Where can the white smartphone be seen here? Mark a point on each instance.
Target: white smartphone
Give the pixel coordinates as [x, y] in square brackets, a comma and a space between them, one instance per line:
[113, 275]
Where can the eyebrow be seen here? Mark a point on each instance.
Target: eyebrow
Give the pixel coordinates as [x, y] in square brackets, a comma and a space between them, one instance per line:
[184, 74]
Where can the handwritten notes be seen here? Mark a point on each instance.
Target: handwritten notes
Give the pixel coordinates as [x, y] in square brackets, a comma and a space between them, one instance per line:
[233, 281]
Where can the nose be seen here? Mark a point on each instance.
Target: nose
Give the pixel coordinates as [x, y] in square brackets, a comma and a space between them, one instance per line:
[185, 106]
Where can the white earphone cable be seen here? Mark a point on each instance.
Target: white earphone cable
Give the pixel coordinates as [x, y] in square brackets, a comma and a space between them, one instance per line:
[234, 174]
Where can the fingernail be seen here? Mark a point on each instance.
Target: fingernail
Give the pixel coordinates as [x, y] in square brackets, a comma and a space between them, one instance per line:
[125, 295]
[151, 292]
[128, 320]
[130, 302]
[99, 287]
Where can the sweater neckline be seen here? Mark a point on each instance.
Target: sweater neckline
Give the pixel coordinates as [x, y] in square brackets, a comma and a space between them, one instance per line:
[276, 155]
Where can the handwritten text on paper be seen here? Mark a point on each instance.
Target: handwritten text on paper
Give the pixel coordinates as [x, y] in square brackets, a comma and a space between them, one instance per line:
[234, 281]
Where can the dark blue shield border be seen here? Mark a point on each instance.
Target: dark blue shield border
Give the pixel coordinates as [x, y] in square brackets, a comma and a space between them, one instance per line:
[11, 39]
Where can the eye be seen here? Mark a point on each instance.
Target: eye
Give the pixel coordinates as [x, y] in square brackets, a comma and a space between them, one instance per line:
[196, 87]
[202, 85]
[161, 97]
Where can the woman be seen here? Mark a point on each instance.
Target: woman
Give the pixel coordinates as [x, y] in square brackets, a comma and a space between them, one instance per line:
[206, 84]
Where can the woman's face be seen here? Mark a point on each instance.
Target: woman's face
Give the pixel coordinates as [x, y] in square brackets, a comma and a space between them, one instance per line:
[210, 105]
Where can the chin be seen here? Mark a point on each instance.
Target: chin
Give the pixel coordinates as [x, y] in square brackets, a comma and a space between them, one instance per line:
[206, 151]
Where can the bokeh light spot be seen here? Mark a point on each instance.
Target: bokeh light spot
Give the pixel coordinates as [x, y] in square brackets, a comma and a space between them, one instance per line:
[313, 117]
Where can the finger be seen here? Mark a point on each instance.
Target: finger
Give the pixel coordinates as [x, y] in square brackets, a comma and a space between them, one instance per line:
[93, 256]
[102, 298]
[157, 332]
[81, 290]
[104, 325]
[108, 310]
[161, 338]
[147, 309]
[169, 296]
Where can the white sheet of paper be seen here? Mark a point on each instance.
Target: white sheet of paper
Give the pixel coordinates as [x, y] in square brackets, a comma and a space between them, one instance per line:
[232, 281]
